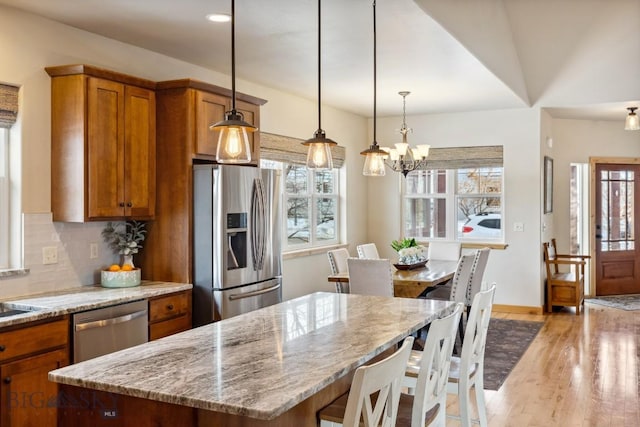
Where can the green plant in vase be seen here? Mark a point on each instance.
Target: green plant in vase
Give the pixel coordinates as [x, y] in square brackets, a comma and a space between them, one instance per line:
[409, 251]
[125, 238]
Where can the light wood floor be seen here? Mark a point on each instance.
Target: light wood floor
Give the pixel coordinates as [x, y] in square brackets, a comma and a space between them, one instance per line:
[579, 371]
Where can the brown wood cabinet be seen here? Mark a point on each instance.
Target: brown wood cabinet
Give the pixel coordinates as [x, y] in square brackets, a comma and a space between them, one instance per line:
[185, 110]
[103, 145]
[27, 353]
[169, 314]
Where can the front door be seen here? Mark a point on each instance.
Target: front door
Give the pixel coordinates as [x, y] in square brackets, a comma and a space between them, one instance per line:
[617, 261]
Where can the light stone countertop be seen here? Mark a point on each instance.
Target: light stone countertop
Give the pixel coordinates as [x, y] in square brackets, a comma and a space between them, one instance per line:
[262, 363]
[73, 300]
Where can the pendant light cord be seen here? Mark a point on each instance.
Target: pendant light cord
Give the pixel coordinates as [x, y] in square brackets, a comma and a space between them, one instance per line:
[375, 140]
[233, 56]
[319, 67]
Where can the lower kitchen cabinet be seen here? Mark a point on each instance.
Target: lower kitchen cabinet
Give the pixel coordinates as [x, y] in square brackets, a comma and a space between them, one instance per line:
[169, 314]
[27, 354]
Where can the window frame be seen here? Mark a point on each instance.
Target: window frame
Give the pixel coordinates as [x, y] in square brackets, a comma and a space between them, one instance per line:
[5, 200]
[313, 198]
[452, 198]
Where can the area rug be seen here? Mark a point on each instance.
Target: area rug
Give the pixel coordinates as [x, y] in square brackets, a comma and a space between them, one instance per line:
[507, 340]
[623, 302]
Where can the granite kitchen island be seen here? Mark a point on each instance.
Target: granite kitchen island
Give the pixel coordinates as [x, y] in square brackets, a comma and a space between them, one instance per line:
[272, 367]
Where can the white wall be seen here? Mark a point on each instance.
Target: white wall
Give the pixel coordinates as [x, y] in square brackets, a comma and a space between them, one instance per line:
[575, 141]
[29, 44]
[516, 270]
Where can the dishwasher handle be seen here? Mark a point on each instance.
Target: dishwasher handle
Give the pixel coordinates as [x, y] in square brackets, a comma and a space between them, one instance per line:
[112, 321]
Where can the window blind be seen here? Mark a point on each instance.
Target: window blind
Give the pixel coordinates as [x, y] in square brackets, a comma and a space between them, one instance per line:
[8, 105]
[465, 157]
[290, 150]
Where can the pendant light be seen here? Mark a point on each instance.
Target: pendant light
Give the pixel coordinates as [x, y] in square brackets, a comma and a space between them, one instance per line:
[632, 122]
[233, 143]
[374, 155]
[319, 152]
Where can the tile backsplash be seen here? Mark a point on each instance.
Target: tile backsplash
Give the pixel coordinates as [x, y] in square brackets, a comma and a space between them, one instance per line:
[74, 268]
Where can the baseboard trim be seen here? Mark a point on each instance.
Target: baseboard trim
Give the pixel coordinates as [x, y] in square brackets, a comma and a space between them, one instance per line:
[517, 309]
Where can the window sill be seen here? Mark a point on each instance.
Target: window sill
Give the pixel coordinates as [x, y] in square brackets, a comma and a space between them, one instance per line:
[479, 245]
[14, 272]
[311, 251]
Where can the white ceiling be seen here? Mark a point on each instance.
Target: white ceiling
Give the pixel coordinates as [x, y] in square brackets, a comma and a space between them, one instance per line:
[579, 58]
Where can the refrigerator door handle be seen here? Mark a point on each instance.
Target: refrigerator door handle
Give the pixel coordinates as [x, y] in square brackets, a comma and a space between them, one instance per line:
[258, 235]
[234, 297]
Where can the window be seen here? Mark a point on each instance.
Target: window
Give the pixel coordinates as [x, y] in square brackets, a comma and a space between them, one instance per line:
[462, 204]
[8, 201]
[4, 198]
[310, 205]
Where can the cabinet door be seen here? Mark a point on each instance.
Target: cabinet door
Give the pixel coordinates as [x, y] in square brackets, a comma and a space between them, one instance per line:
[251, 114]
[210, 109]
[105, 154]
[28, 397]
[140, 153]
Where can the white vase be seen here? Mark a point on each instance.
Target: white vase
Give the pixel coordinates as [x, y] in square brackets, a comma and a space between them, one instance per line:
[128, 260]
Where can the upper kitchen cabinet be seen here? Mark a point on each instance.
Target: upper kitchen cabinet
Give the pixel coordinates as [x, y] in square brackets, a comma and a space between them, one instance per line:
[203, 105]
[103, 145]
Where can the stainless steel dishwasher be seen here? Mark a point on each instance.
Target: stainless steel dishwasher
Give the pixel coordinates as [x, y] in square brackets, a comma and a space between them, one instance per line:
[105, 330]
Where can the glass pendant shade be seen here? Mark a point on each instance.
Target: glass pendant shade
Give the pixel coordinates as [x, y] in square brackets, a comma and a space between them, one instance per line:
[319, 156]
[373, 165]
[233, 142]
[632, 122]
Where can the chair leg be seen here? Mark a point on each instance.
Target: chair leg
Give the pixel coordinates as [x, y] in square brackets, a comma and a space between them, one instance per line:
[480, 403]
[464, 398]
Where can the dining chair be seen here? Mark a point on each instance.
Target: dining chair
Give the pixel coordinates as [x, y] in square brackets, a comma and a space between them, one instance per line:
[426, 405]
[446, 251]
[368, 250]
[370, 276]
[477, 274]
[338, 264]
[373, 398]
[467, 371]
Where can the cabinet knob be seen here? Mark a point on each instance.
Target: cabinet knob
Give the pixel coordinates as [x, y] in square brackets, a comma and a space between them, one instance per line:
[7, 380]
[3, 348]
[170, 307]
[129, 204]
[121, 204]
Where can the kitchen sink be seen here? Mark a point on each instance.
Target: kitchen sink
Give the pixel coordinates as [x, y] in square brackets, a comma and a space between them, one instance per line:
[8, 309]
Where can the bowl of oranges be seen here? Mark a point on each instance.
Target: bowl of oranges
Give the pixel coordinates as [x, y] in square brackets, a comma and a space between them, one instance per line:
[117, 276]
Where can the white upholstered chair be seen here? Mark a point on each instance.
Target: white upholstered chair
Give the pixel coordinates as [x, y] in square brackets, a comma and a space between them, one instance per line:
[445, 251]
[338, 263]
[370, 276]
[381, 379]
[467, 371]
[338, 260]
[428, 401]
[368, 250]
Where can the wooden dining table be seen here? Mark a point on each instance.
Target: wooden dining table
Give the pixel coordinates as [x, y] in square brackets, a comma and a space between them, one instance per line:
[409, 283]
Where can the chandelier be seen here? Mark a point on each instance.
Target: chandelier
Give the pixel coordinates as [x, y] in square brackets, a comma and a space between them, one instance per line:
[403, 158]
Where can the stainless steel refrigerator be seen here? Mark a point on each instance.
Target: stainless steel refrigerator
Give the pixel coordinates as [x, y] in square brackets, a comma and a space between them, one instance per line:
[236, 234]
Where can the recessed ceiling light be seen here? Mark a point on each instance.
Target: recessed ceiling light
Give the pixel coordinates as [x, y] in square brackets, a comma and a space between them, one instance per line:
[219, 17]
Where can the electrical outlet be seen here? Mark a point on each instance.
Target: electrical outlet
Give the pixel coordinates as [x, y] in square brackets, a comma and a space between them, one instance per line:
[518, 226]
[93, 250]
[50, 255]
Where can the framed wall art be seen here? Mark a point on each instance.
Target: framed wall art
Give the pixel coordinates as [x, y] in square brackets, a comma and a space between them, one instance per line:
[548, 184]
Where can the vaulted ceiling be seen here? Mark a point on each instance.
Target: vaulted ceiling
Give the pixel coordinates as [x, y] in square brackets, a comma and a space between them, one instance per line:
[578, 58]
